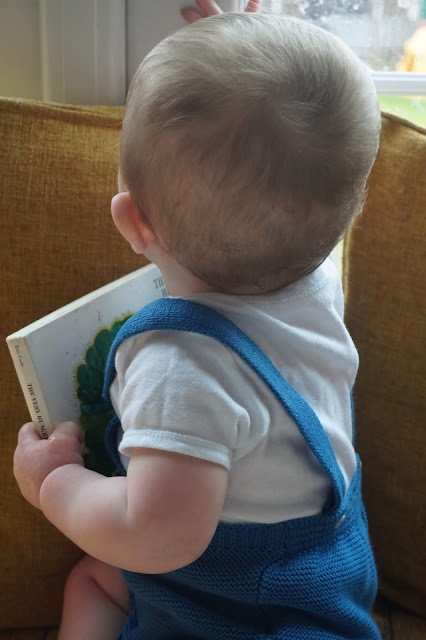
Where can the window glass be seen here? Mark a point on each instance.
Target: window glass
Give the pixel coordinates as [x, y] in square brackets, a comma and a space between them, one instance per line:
[409, 107]
[388, 35]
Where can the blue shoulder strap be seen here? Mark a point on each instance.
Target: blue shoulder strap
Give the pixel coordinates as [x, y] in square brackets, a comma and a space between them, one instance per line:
[185, 315]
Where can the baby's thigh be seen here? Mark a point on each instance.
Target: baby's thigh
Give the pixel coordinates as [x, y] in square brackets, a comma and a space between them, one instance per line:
[108, 579]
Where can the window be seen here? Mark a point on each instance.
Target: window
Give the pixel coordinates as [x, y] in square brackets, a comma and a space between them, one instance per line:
[388, 35]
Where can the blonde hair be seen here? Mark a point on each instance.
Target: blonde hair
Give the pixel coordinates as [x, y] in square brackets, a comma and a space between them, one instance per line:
[246, 145]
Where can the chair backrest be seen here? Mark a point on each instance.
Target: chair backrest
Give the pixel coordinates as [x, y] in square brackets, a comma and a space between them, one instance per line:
[58, 172]
[384, 271]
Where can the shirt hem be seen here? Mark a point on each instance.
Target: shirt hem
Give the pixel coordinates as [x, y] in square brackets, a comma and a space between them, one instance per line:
[177, 443]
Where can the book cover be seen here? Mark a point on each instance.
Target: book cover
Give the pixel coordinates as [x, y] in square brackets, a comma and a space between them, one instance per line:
[60, 359]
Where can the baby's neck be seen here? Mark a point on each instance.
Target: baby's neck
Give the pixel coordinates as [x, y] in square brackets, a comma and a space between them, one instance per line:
[181, 282]
[187, 284]
[184, 284]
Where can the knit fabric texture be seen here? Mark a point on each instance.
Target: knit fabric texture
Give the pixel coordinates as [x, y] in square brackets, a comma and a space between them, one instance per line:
[385, 312]
[312, 577]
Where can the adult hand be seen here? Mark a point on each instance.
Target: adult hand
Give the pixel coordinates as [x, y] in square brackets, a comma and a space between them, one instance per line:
[206, 8]
[35, 458]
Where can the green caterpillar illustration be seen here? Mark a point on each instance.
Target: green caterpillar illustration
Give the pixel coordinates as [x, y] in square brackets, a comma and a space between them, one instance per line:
[95, 413]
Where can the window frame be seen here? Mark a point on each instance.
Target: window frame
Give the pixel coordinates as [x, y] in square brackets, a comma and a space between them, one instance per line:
[402, 83]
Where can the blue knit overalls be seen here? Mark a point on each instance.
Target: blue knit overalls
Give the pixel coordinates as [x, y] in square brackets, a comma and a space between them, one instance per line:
[310, 578]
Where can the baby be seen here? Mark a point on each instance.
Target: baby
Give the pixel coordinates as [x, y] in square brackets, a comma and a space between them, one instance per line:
[245, 151]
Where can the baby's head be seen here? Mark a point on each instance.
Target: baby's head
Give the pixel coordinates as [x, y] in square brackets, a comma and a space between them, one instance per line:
[246, 146]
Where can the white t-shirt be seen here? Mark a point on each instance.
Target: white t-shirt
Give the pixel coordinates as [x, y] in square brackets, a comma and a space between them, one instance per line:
[190, 394]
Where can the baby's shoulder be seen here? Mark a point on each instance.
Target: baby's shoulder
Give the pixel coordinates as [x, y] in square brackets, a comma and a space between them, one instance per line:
[173, 351]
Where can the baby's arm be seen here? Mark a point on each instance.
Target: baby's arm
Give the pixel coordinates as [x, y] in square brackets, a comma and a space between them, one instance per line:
[158, 519]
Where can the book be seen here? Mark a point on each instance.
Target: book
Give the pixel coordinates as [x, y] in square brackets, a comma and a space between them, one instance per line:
[60, 359]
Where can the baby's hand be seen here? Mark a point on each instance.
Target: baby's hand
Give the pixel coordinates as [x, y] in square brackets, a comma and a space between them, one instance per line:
[208, 8]
[35, 458]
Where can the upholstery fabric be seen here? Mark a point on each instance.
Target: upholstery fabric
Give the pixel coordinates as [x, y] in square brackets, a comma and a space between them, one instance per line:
[58, 172]
[385, 289]
[29, 634]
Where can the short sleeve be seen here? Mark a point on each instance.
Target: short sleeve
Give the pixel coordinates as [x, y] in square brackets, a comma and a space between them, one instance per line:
[180, 392]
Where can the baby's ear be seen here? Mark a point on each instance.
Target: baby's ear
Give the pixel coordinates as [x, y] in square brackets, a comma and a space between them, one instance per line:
[127, 220]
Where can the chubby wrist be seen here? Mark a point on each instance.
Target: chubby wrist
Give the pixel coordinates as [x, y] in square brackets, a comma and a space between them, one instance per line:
[51, 494]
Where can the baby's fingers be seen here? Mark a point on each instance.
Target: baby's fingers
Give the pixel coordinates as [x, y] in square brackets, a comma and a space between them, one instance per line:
[209, 7]
[65, 444]
[191, 15]
[253, 6]
[28, 433]
[67, 431]
[205, 9]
